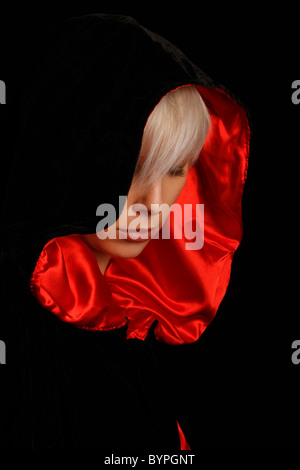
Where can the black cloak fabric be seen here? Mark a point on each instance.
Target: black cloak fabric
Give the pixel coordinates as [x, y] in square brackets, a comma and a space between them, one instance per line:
[91, 84]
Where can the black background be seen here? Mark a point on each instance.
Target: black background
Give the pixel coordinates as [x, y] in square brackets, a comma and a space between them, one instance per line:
[244, 382]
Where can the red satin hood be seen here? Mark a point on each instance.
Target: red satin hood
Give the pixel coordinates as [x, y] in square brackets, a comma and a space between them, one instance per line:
[181, 289]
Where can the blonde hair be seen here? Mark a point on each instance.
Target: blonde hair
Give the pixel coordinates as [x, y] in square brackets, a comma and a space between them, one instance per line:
[173, 135]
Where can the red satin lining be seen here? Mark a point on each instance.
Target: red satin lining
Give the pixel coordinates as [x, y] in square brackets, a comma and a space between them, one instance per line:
[181, 289]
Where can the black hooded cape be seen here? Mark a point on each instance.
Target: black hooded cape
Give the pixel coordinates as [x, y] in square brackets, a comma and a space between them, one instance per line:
[91, 84]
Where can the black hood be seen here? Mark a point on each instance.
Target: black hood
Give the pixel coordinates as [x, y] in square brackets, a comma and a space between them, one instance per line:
[91, 84]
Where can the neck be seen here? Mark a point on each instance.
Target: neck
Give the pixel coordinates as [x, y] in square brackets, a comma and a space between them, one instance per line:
[102, 259]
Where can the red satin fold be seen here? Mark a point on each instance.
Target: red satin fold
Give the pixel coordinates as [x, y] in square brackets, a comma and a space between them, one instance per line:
[68, 282]
[183, 442]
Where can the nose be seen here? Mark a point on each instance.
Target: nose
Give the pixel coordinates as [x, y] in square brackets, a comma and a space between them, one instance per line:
[147, 200]
[152, 196]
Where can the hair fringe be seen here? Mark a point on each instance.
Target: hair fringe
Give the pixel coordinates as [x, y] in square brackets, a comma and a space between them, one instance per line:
[173, 135]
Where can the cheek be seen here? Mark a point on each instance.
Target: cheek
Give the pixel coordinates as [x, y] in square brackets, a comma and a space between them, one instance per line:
[173, 188]
[182, 184]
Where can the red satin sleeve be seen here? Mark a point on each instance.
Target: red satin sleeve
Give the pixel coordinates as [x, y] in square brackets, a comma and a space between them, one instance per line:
[68, 282]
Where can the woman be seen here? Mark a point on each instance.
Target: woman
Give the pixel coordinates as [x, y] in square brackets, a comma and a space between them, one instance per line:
[110, 109]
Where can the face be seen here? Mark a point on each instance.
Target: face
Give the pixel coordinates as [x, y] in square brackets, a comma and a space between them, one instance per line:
[140, 219]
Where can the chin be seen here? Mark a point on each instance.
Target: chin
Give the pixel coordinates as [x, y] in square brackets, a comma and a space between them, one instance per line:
[122, 248]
